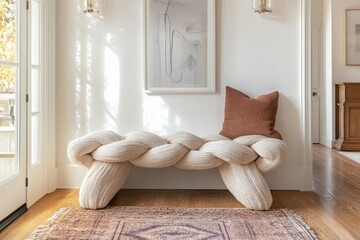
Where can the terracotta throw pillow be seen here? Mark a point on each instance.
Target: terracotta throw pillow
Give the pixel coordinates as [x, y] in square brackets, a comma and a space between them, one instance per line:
[247, 116]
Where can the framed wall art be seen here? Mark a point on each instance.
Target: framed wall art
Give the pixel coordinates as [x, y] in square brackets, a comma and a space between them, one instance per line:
[180, 46]
[353, 37]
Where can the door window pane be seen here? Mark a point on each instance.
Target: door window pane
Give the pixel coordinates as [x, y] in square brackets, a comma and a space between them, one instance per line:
[35, 90]
[8, 36]
[35, 32]
[8, 160]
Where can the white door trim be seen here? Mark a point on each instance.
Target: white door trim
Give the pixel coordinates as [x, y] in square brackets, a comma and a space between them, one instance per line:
[306, 96]
[34, 192]
[49, 95]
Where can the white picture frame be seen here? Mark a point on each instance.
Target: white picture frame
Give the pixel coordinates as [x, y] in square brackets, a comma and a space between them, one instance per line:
[180, 46]
[352, 37]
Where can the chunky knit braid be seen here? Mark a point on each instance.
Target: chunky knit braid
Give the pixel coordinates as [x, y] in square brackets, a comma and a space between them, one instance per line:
[241, 162]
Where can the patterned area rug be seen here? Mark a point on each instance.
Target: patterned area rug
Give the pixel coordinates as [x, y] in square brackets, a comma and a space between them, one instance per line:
[174, 223]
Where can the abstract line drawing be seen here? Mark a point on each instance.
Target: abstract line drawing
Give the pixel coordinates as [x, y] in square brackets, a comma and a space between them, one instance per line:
[177, 44]
[357, 38]
[189, 51]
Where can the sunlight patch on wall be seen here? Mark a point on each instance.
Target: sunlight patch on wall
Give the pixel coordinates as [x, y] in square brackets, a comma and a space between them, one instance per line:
[78, 83]
[111, 87]
[177, 121]
[84, 90]
[155, 114]
[89, 82]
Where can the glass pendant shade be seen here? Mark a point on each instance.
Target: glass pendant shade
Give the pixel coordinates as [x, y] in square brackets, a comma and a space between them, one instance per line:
[261, 6]
[90, 6]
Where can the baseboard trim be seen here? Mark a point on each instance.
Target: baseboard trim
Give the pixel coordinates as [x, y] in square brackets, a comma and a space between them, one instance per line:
[12, 217]
[326, 142]
[282, 178]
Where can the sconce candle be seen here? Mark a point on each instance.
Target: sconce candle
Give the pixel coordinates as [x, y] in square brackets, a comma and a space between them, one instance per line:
[91, 6]
[262, 6]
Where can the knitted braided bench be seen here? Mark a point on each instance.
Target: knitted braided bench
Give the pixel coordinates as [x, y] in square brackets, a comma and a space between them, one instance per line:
[241, 162]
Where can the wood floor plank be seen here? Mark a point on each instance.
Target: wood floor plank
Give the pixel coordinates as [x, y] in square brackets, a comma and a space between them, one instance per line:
[332, 209]
[39, 213]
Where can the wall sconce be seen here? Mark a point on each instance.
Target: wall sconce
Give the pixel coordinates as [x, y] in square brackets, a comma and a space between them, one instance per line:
[262, 6]
[90, 6]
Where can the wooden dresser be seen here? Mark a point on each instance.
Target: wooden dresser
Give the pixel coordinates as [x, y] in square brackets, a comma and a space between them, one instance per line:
[347, 117]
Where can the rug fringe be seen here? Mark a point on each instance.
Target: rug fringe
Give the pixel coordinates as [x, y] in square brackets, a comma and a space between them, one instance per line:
[303, 223]
[43, 228]
[38, 232]
[57, 214]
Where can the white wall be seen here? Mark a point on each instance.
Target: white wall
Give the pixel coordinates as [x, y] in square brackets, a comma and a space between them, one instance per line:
[100, 84]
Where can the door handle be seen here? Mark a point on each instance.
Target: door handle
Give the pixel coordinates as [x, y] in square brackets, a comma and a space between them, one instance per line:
[314, 93]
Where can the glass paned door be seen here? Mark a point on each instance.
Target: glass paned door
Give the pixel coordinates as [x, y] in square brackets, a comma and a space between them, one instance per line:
[8, 74]
[12, 105]
[35, 166]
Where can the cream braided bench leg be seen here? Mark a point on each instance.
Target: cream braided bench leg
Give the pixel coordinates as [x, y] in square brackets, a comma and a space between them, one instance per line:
[241, 162]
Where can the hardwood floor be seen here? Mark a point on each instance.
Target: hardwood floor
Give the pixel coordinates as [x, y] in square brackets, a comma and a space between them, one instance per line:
[332, 210]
